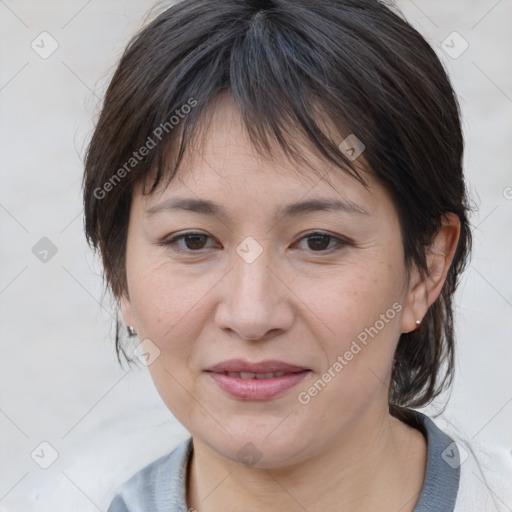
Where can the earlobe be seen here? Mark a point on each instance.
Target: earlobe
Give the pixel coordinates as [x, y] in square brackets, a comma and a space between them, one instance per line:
[427, 288]
[415, 308]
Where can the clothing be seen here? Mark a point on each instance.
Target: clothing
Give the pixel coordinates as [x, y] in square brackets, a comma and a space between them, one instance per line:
[161, 486]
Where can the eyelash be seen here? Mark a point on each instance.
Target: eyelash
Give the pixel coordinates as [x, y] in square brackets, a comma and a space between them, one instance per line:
[172, 242]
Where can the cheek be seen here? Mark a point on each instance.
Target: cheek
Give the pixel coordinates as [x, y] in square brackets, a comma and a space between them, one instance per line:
[361, 322]
[163, 296]
[171, 308]
[357, 318]
[346, 301]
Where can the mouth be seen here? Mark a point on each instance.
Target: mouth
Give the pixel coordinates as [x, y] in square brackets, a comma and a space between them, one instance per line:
[256, 386]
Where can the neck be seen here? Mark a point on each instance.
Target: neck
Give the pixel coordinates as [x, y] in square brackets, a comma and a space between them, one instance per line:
[378, 464]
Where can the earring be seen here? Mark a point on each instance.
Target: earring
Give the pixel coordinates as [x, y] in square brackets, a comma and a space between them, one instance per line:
[131, 330]
[418, 322]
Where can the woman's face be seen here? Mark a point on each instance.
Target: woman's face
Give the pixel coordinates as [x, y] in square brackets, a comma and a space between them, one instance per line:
[323, 290]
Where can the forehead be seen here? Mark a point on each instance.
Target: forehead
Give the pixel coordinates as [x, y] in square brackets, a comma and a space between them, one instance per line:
[222, 164]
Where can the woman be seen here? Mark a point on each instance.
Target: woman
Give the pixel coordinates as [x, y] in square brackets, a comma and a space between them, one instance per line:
[276, 191]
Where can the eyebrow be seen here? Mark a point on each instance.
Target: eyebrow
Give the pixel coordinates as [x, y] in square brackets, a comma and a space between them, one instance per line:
[207, 207]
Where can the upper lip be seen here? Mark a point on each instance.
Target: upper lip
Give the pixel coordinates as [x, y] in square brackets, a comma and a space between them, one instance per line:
[267, 366]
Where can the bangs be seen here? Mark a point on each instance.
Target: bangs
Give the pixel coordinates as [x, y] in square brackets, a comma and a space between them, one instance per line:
[286, 100]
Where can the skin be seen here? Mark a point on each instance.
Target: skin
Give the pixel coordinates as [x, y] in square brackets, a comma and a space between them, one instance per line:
[300, 302]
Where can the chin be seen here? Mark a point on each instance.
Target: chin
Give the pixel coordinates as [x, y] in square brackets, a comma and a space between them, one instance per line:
[255, 448]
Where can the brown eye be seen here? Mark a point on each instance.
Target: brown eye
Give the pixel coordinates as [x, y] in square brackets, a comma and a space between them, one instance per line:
[321, 242]
[192, 242]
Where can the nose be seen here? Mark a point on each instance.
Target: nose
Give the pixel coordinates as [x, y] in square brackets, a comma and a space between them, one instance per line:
[255, 300]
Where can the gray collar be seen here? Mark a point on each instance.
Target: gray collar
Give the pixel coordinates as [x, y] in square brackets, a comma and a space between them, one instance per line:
[442, 474]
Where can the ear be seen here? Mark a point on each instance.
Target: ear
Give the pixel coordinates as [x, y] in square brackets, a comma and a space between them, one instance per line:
[126, 309]
[424, 290]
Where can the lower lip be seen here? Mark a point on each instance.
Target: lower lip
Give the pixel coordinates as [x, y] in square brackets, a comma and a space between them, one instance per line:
[257, 389]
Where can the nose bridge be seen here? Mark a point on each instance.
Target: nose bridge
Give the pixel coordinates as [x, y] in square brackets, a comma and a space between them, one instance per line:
[252, 300]
[253, 287]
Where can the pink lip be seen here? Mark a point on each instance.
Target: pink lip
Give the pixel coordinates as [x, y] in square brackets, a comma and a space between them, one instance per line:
[267, 366]
[257, 389]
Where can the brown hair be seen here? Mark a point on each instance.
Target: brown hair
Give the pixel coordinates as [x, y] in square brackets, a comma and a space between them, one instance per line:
[357, 61]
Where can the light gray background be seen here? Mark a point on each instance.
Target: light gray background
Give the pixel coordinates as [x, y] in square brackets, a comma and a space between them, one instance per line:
[60, 380]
